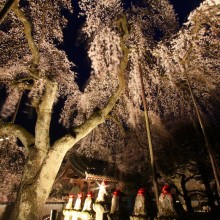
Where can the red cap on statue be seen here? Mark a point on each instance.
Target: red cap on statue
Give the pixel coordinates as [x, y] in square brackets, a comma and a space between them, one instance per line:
[89, 194]
[80, 195]
[116, 192]
[141, 191]
[71, 195]
[166, 189]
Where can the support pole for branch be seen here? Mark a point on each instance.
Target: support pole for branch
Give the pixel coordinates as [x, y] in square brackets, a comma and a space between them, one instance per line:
[184, 60]
[208, 146]
[149, 138]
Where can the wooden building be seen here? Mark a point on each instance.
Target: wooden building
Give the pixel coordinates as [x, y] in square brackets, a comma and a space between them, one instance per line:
[79, 175]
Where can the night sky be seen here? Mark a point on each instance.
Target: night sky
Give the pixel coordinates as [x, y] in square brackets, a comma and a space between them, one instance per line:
[184, 7]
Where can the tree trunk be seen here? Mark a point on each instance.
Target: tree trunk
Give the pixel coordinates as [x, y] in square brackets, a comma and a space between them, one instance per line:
[35, 188]
[44, 161]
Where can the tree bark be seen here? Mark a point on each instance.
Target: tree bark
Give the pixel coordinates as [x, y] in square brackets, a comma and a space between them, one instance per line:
[34, 190]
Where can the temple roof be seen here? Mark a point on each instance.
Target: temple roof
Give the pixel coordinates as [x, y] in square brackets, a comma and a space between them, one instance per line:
[78, 167]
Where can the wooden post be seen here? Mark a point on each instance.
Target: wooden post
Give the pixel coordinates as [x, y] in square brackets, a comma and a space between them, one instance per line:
[53, 214]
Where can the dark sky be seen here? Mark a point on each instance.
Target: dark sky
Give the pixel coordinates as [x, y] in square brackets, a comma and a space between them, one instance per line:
[184, 7]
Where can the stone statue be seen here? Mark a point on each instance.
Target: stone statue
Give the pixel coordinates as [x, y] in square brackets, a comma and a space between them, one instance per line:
[88, 202]
[115, 206]
[139, 212]
[166, 209]
[67, 212]
[100, 206]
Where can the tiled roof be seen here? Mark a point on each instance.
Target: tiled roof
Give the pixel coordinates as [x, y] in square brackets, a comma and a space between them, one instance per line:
[93, 169]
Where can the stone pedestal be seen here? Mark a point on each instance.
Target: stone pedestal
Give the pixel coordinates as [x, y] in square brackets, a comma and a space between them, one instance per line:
[101, 209]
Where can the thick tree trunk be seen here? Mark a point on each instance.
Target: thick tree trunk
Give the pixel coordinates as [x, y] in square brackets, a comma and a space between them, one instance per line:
[36, 185]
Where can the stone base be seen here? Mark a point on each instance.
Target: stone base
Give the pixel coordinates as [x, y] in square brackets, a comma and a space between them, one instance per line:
[166, 218]
[139, 217]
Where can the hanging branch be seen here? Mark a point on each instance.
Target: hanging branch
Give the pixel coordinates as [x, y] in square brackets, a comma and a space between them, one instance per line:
[99, 117]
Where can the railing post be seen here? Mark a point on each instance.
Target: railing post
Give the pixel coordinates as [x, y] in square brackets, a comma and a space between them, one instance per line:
[53, 214]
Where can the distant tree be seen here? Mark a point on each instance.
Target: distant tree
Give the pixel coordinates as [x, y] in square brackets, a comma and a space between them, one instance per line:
[186, 169]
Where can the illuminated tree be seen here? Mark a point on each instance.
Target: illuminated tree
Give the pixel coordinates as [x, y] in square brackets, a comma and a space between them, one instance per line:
[32, 61]
[137, 35]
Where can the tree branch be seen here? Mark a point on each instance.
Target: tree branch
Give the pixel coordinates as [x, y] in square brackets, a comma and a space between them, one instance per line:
[28, 34]
[44, 112]
[121, 70]
[6, 9]
[21, 133]
[99, 117]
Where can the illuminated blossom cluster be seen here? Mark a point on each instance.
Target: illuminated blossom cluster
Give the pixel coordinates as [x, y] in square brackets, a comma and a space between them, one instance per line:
[105, 53]
[141, 21]
[12, 159]
[47, 22]
[193, 54]
[48, 19]
[99, 14]
[13, 96]
[143, 36]
[102, 25]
